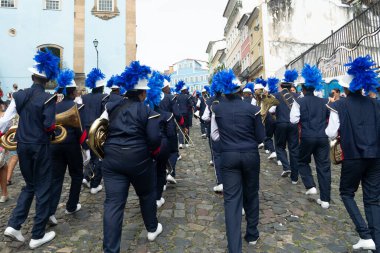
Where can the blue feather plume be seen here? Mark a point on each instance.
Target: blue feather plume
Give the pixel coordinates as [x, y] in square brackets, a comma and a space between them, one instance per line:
[179, 86]
[111, 81]
[122, 91]
[168, 78]
[94, 76]
[261, 81]
[64, 78]
[313, 77]
[250, 86]
[154, 94]
[133, 73]
[290, 76]
[272, 84]
[208, 90]
[223, 81]
[364, 74]
[172, 91]
[47, 62]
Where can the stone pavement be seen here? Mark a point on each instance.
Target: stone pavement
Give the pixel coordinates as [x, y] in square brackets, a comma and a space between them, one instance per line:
[193, 216]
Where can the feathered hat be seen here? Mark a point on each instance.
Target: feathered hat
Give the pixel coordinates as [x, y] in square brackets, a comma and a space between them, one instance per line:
[313, 77]
[260, 83]
[46, 65]
[289, 77]
[154, 95]
[226, 81]
[167, 80]
[65, 80]
[136, 77]
[208, 90]
[361, 75]
[95, 79]
[249, 88]
[272, 84]
[113, 82]
[180, 86]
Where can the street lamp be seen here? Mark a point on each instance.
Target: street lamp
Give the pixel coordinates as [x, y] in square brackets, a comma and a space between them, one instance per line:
[96, 42]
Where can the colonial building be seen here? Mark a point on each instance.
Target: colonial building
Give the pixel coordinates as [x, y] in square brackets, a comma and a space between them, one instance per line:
[194, 73]
[71, 29]
[215, 50]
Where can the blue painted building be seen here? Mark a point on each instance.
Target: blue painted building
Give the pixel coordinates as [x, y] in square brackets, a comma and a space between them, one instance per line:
[193, 72]
[68, 28]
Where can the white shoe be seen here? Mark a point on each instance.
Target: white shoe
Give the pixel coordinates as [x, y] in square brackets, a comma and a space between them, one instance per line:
[164, 187]
[203, 135]
[86, 183]
[272, 155]
[242, 212]
[4, 199]
[153, 236]
[218, 188]
[311, 191]
[286, 173]
[171, 179]
[180, 146]
[211, 163]
[158, 203]
[179, 158]
[261, 145]
[254, 242]
[187, 145]
[52, 220]
[324, 204]
[368, 244]
[14, 234]
[37, 243]
[294, 182]
[96, 190]
[279, 163]
[79, 206]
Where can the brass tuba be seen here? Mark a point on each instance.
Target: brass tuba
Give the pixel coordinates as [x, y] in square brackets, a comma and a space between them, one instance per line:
[97, 136]
[69, 118]
[267, 101]
[336, 153]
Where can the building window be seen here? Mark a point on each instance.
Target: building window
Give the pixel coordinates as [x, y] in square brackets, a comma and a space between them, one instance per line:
[52, 4]
[105, 5]
[8, 3]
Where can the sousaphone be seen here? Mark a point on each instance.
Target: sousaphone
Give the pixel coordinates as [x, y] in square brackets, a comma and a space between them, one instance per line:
[97, 136]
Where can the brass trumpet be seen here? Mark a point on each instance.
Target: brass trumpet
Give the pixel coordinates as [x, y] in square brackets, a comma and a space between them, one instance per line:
[69, 118]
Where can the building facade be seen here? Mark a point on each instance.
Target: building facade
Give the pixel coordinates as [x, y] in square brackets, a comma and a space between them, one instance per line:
[215, 50]
[194, 73]
[68, 29]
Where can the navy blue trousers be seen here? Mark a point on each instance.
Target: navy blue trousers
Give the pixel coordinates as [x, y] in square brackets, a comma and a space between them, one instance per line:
[93, 172]
[66, 156]
[287, 134]
[268, 144]
[184, 139]
[174, 154]
[160, 164]
[35, 166]
[320, 149]
[366, 171]
[215, 146]
[240, 172]
[122, 167]
[203, 126]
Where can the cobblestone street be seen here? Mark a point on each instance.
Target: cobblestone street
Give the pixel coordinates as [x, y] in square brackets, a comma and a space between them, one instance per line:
[193, 217]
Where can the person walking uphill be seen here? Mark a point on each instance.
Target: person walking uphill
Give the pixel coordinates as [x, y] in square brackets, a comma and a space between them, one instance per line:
[239, 127]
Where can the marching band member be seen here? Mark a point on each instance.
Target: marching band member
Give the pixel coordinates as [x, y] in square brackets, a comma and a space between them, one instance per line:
[239, 127]
[215, 147]
[247, 93]
[201, 106]
[169, 104]
[133, 137]
[311, 113]
[258, 88]
[286, 133]
[185, 106]
[114, 84]
[93, 107]
[33, 148]
[357, 120]
[66, 154]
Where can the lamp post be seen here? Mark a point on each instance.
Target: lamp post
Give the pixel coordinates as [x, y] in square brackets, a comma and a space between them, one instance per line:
[97, 53]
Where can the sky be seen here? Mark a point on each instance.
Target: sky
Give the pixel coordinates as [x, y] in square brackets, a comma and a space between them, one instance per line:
[172, 30]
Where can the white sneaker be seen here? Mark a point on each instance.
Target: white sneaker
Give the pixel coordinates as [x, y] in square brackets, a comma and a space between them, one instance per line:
[86, 183]
[267, 151]
[261, 145]
[272, 155]
[294, 182]
[153, 236]
[180, 146]
[14, 234]
[158, 203]
[203, 135]
[37, 243]
[52, 220]
[324, 204]
[311, 191]
[279, 163]
[179, 158]
[286, 173]
[242, 212]
[218, 188]
[254, 242]
[164, 187]
[4, 199]
[211, 163]
[96, 190]
[368, 244]
[171, 179]
[187, 145]
[79, 206]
